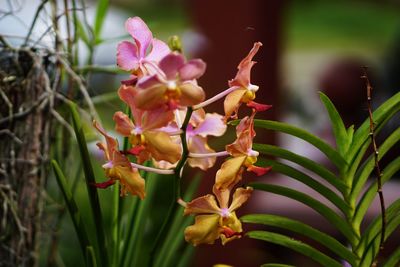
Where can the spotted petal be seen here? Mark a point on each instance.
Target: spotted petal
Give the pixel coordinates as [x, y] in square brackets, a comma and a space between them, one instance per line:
[131, 182]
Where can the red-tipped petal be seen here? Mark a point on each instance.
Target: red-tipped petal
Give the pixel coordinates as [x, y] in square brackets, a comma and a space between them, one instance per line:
[258, 107]
[135, 150]
[104, 185]
[259, 170]
[228, 232]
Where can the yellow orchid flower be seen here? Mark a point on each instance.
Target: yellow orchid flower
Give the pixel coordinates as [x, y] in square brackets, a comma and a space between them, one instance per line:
[214, 218]
[119, 168]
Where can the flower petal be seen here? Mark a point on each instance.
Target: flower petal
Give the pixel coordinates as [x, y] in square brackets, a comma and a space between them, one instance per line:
[193, 69]
[170, 65]
[213, 124]
[158, 51]
[131, 182]
[161, 146]
[204, 204]
[240, 196]
[198, 144]
[242, 78]
[112, 143]
[232, 102]
[128, 95]
[127, 56]
[231, 229]
[151, 97]
[157, 118]
[123, 123]
[141, 33]
[230, 173]
[205, 230]
[192, 94]
[259, 170]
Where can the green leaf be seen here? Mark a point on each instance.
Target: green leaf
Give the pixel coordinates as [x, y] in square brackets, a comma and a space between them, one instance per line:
[381, 115]
[82, 34]
[302, 161]
[186, 256]
[295, 245]
[325, 148]
[307, 180]
[393, 259]
[92, 191]
[134, 243]
[364, 172]
[322, 209]
[115, 224]
[73, 210]
[304, 229]
[339, 131]
[102, 6]
[373, 247]
[90, 257]
[391, 169]
[175, 237]
[375, 226]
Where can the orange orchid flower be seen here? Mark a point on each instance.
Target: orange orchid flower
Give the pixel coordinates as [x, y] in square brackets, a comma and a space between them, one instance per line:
[145, 135]
[214, 218]
[118, 167]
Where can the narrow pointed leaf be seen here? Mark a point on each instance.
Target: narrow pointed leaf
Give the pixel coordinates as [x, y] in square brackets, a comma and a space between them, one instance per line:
[325, 148]
[307, 180]
[101, 11]
[303, 229]
[304, 162]
[339, 131]
[187, 256]
[90, 257]
[73, 210]
[92, 191]
[322, 209]
[394, 259]
[295, 245]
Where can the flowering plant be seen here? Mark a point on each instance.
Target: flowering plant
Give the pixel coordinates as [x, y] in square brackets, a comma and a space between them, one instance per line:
[166, 128]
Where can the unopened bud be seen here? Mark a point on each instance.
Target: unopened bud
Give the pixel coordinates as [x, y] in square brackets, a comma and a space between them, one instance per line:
[175, 44]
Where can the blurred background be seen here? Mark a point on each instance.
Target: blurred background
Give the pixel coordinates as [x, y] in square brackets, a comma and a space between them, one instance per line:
[308, 46]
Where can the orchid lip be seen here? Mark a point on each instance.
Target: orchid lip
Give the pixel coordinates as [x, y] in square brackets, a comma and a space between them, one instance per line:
[108, 165]
[224, 212]
[253, 88]
[252, 153]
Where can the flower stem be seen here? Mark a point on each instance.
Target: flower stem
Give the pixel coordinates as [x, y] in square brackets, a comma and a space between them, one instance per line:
[215, 98]
[150, 169]
[208, 155]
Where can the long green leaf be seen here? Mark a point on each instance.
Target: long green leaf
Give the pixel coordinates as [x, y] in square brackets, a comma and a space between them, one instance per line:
[90, 257]
[187, 256]
[175, 238]
[92, 191]
[304, 229]
[325, 148]
[101, 11]
[368, 167]
[322, 209]
[339, 131]
[365, 202]
[307, 180]
[73, 210]
[381, 115]
[373, 247]
[115, 224]
[304, 162]
[394, 259]
[375, 226]
[81, 32]
[294, 245]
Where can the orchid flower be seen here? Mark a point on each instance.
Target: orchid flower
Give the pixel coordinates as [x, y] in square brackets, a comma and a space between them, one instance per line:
[144, 133]
[119, 168]
[141, 56]
[174, 86]
[214, 218]
[243, 156]
[200, 126]
[245, 92]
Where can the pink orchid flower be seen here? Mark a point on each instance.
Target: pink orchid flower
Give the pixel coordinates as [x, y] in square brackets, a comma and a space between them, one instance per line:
[145, 135]
[215, 219]
[243, 156]
[200, 126]
[118, 167]
[175, 86]
[142, 56]
[245, 92]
